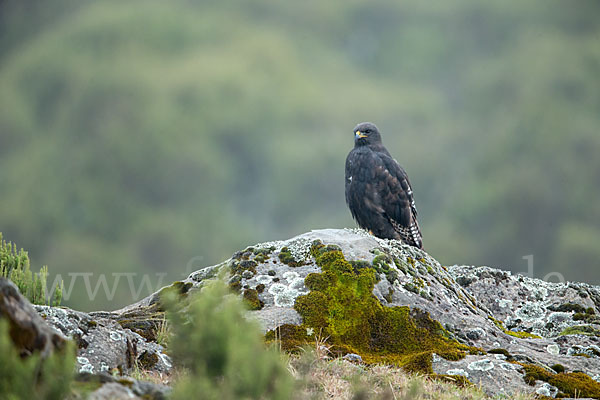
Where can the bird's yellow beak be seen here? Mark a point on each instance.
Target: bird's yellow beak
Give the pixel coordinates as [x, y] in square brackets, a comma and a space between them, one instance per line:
[359, 135]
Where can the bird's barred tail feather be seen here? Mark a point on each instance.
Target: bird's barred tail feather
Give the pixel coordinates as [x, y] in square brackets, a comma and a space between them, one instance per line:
[409, 234]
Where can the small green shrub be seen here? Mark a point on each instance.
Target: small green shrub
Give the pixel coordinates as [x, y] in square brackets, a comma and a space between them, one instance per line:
[15, 265]
[223, 352]
[34, 377]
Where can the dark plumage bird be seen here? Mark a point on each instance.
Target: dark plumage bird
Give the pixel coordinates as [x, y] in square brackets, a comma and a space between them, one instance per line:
[378, 192]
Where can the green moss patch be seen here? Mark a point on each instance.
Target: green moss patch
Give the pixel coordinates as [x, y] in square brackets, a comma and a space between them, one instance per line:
[522, 335]
[145, 321]
[147, 360]
[580, 330]
[558, 368]
[251, 298]
[262, 255]
[291, 338]
[586, 317]
[241, 267]
[316, 282]
[572, 384]
[286, 257]
[256, 255]
[411, 288]
[580, 312]
[581, 355]
[382, 263]
[235, 283]
[179, 288]
[504, 352]
[182, 287]
[517, 334]
[238, 268]
[569, 307]
[342, 308]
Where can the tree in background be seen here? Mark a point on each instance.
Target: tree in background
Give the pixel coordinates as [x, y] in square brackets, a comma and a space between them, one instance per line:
[137, 138]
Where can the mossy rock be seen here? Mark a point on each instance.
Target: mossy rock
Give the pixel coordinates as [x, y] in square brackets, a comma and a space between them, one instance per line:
[517, 334]
[558, 368]
[581, 330]
[238, 268]
[146, 322]
[314, 281]
[504, 352]
[411, 287]
[342, 307]
[263, 254]
[589, 318]
[235, 286]
[251, 299]
[572, 384]
[384, 264]
[569, 307]
[286, 257]
[147, 360]
[581, 355]
[180, 288]
[291, 338]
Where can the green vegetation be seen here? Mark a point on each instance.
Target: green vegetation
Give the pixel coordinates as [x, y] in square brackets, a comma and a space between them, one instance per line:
[581, 330]
[341, 306]
[134, 138]
[517, 334]
[572, 384]
[581, 313]
[33, 377]
[15, 265]
[504, 352]
[382, 264]
[570, 307]
[588, 315]
[286, 257]
[338, 379]
[558, 368]
[222, 352]
[252, 300]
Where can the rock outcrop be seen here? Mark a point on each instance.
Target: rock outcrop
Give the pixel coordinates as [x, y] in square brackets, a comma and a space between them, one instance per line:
[518, 331]
[28, 331]
[380, 301]
[104, 346]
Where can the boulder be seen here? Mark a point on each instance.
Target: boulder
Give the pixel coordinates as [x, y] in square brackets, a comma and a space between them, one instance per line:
[375, 301]
[511, 333]
[28, 330]
[113, 388]
[104, 345]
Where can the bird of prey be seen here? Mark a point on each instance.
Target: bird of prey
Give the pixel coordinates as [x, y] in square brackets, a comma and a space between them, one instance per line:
[378, 192]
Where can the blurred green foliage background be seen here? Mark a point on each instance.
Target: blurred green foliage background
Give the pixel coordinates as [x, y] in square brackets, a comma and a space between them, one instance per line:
[151, 136]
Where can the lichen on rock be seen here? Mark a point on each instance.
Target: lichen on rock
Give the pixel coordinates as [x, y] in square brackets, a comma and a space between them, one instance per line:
[391, 303]
[571, 384]
[341, 306]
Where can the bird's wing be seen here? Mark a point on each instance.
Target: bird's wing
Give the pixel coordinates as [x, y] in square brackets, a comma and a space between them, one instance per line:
[362, 195]
[397, 200]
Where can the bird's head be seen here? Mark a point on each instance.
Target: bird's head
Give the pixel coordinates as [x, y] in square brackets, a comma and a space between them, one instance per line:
[365, 134]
